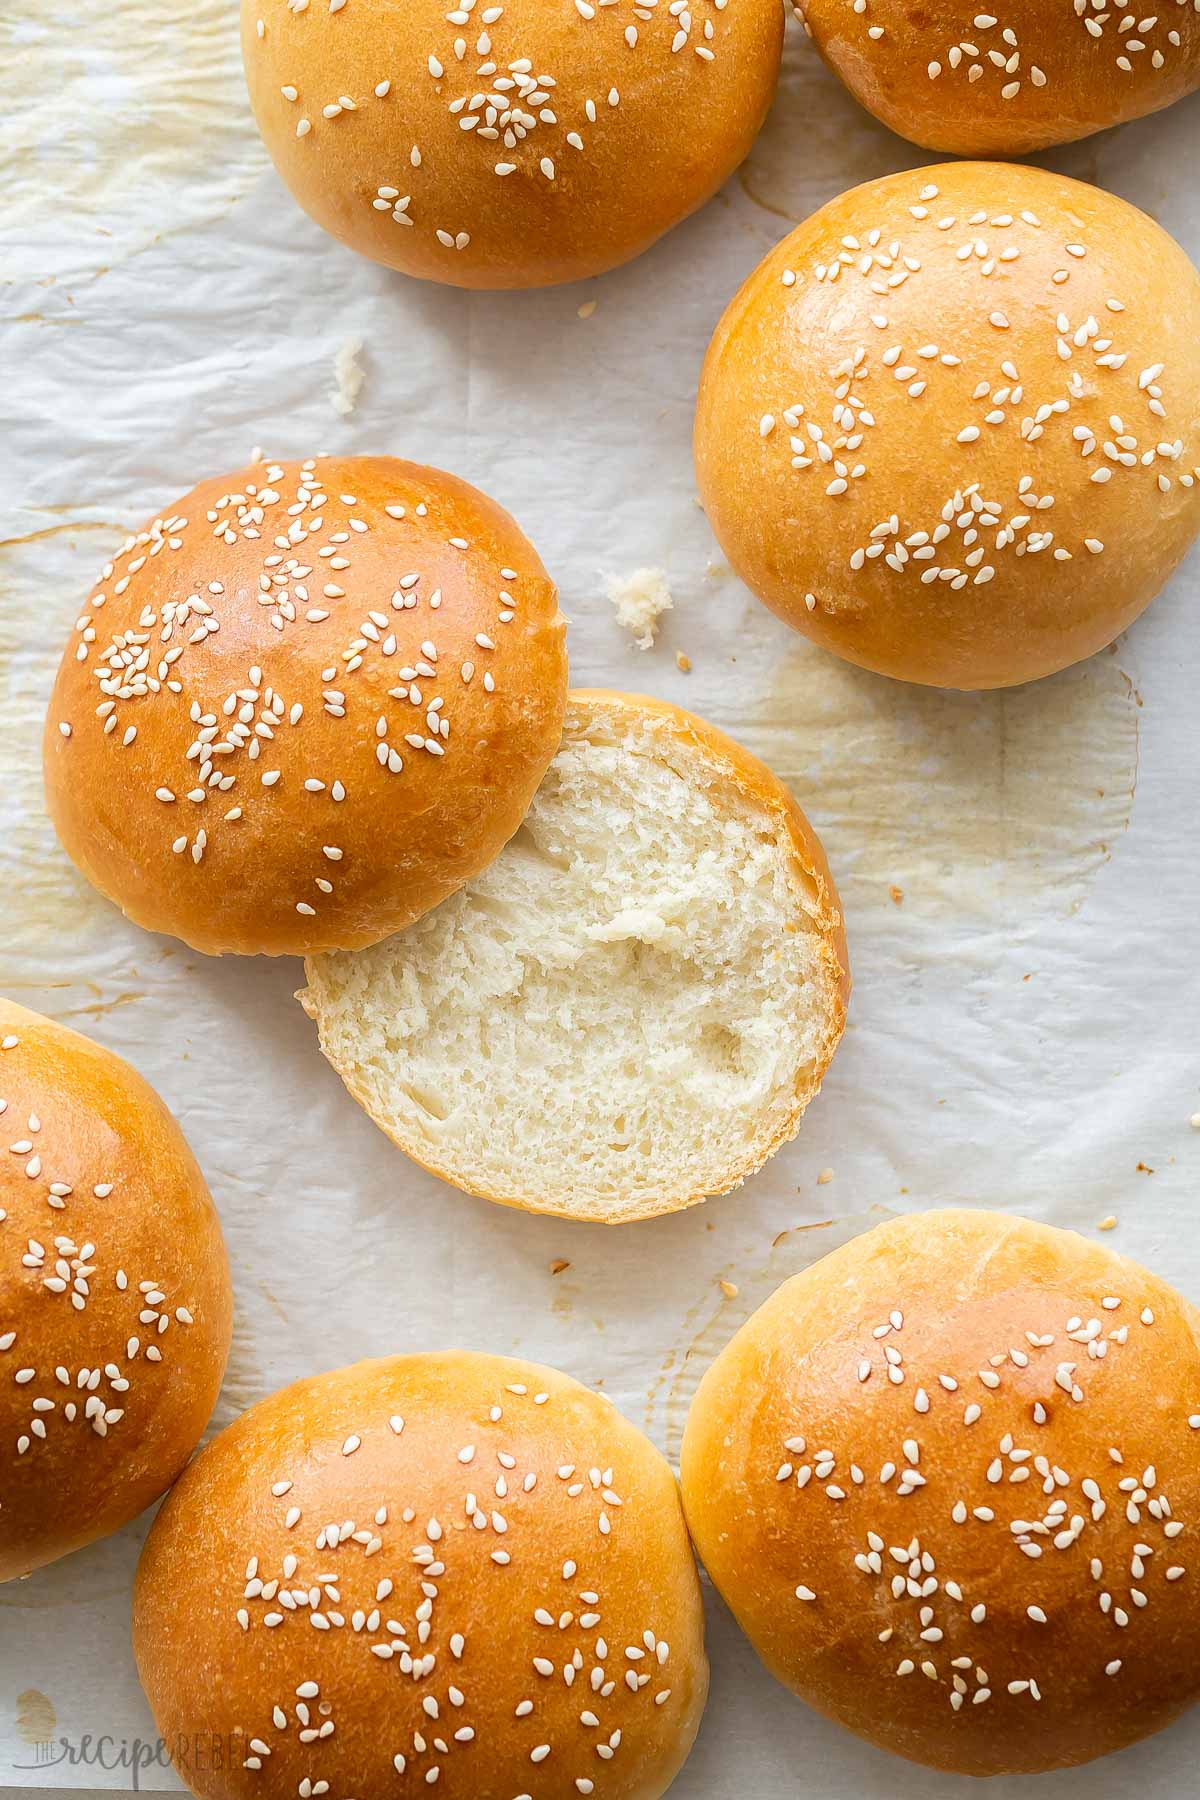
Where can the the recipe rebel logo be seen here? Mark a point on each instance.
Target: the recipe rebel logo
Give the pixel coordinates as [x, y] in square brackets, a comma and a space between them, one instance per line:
[36, 1727]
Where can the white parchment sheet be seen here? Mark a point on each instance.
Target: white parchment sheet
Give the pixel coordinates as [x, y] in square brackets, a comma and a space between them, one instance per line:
[1019, 870]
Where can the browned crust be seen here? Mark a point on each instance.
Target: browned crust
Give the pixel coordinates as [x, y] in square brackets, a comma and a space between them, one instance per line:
[209, 1681]
[788, 537]
[754, 781]
[406, 839]
[680, 129]
[1084, 89]
[99, 1124]
[967, 1286]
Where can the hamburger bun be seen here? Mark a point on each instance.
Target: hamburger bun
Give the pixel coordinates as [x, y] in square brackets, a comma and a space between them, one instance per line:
[305, 704]
[514, 147]
[115, 1304]
[1002, 84]
[451, 1569]
[631, 1009]
[946, 1479]
[950, 426]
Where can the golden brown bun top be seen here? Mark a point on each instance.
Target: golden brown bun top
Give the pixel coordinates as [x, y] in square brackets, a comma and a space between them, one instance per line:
[305, 704]
[115, 1305]
[948, 1479]
[540, 142]
[1001, 84]
[950, 426]
[449, 1563]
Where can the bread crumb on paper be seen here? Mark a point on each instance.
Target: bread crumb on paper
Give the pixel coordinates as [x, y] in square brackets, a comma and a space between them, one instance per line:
[640, 599]
[558, 1265]
[348, 377]
[683, 662]
[729, 1289]
[825, 1177]
[587, 309]
[1194, 1121]
[1108, 1224]
[897, 895]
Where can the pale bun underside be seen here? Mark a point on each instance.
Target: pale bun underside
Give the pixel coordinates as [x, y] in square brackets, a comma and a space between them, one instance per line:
[115, 1303]
[305, 705]
[631, 1009]
[1032, 74]
[606, 139]
[899, 1400]
[950, 427]
[482, 1536]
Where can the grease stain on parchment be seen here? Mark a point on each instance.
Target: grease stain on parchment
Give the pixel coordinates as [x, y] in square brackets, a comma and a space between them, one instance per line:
[138, 125]
[963, 800]
[44, 576]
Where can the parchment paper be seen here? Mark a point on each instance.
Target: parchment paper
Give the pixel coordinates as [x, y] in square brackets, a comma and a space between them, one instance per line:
[1019, 870]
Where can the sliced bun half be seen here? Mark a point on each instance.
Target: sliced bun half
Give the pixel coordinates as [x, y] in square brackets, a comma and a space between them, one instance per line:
[632, 1007]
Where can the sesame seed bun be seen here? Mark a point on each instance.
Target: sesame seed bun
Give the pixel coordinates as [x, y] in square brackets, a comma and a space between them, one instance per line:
[451, 1569]
[305, 704]
[950, 427]
[946, 1479]
[659, 951]
[1005, 83]
[507, 146]
[115, 1305]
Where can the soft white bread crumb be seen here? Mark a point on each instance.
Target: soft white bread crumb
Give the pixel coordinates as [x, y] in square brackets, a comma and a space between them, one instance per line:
[640, 598]
[630, 1009]
[348, 377]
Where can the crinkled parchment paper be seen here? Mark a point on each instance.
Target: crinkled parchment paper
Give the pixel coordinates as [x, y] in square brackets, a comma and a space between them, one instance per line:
[1020, 871]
